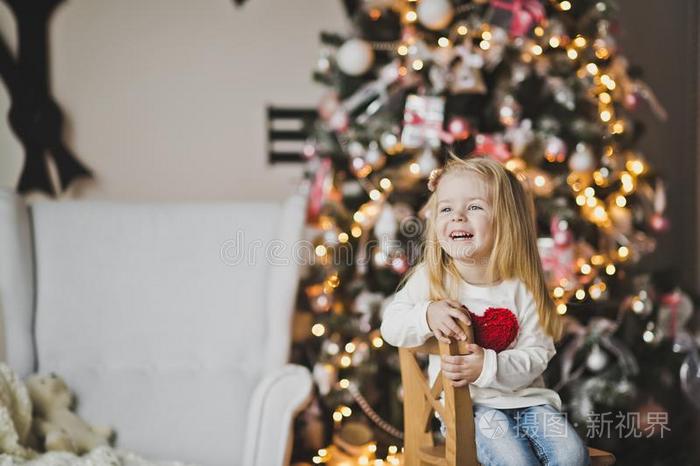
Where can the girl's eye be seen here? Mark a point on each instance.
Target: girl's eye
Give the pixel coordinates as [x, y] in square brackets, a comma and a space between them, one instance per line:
[474, 207]
[445, 209]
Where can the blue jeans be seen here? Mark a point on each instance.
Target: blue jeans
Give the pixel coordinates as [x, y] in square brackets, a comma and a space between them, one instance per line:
[535, 435]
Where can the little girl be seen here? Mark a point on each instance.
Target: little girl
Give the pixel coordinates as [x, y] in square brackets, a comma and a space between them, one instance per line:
[480, 265]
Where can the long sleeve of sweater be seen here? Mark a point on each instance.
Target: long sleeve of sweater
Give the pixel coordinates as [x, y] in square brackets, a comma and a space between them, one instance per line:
[404, 322]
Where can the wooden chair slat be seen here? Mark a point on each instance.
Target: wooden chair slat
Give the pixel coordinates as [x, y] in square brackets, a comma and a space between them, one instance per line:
[429, 347]
[424, 386]
[434, 455]
[421, 400]
[601, 457]
[415, 434]
[435, 391]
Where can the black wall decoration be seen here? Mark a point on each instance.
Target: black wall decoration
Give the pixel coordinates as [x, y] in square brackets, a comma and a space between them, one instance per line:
[34, 115]
[287, 129]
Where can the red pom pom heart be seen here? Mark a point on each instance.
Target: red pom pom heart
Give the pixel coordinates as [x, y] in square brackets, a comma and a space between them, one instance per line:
[496, 329]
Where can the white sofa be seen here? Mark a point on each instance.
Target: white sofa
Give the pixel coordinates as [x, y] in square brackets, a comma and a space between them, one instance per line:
[162, 329]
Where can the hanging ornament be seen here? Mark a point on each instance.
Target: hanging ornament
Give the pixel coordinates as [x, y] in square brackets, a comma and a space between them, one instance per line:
[329, 347]
[519, 72]
[390, 143]
[494, 48]
[563, 94]
[492, 145]
[320, 188]
[658, 222]
[374, 156]
[509, 111]
[416, 48]
[554, 149]
[520, 136]
[675, 311]
[603, 177]
[597, 359]
[582, 159]
[355, 149]
[423, 118]
[538, 181]
[435, 14]
[522, 15]
[621, 218]
[459, 128]
[438, 78]
[465, 76]
[400, 263]
[374, 94]
[355, 57]
[325, 377]
[361, 353]
[604, 46]
[360, 167]
[557, 254]
[640, 303]
[385, 231]
[319, 298]
[331, 111]
[386, 226]
[323, 65]
[426, 162]
[368, 213]
[690, 377]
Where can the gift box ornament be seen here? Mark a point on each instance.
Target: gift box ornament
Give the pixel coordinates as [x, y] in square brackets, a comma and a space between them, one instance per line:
[422, 121]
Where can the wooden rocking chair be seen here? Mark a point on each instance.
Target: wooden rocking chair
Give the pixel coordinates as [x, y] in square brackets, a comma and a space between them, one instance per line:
[421, 401]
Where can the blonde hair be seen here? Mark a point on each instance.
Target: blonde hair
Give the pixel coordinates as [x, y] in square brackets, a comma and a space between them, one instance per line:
[514, 253]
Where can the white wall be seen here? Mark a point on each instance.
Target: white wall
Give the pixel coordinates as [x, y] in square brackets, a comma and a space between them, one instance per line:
[165, 99]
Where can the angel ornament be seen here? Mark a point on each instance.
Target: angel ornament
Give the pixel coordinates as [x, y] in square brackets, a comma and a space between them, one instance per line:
[466, 71]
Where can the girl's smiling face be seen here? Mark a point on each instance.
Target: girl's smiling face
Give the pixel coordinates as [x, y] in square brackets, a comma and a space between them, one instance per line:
[464, 217]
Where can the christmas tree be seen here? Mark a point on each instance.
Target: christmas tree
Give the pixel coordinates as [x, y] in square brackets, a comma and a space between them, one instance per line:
[541, 87]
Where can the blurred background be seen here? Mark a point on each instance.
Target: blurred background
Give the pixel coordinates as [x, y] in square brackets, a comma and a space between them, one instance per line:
[181, 100]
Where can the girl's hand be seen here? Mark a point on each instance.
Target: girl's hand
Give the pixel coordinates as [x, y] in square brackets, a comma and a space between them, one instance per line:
[441, 317]
[463, 370]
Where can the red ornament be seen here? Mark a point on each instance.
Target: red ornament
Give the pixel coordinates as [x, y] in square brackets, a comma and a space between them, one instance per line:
[459, 128]
[488, 145]
[496, 329]
[525, 14]
[319, 190]
[659, 223]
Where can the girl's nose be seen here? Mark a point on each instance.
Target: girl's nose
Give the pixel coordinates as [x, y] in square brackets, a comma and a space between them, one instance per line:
[458, 217]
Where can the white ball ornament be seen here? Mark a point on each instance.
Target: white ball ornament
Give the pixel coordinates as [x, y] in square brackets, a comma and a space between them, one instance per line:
[582, 159]
[597, 359]
[355, 57]
[435, 14]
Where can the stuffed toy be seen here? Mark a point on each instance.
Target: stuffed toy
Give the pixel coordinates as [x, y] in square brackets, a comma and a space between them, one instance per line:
[15, 414]
[54, 423]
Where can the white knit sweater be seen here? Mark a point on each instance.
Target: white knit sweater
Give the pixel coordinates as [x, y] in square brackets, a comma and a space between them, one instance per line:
[511, 378]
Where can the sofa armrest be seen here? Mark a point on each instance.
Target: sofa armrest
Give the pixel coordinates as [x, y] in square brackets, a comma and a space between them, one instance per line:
[278, 397]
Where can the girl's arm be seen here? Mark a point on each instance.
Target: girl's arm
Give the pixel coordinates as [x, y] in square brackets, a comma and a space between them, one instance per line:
[517, 368]
[404, 322]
